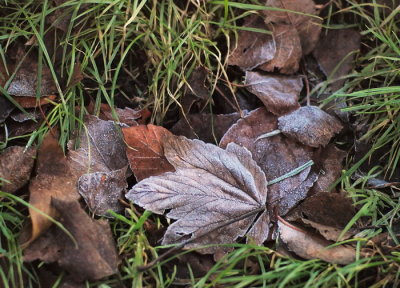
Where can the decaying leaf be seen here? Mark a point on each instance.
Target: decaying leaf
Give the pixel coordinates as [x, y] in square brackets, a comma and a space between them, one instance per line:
[340, 43]
[145, 150]
[54, 180]
[309, 125]
[16, 165]
[32, 102]
[277, 92]
[196, 90]
[126, 116]
[329, 160]
[310, 246]
[276, 155]
[101, 158]
[307, 27]
[253, 48]
[288, 50]
[210, 187]
[6, 107]
[206, 127]
[89, 255]
[101, 190]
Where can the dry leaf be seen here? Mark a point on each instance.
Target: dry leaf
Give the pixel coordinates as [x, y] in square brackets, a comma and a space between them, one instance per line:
[329, 160]
[101, 157]
[253, 48]
[276, 155]
[145, 150]
[277, 92]
[340, 43]
[6, 107]
[210, 187]
[207, 127]
[15, 166]
[309, 125]
[310, 246]
[126, 116]
[32, 102]
[307, 27]
[288, 50]
[196, 91]
[54, 180]
[95, 255]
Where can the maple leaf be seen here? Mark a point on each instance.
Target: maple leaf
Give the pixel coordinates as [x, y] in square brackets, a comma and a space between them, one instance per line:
[214, 194]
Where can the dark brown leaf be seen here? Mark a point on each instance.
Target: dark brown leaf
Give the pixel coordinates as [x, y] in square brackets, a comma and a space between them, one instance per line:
[329, 160]
[288, 50]
[307, 27]
[310, 246]
[206, 127]
[54, 180]
[210, 187]
[278, 93]
[340, 43]
[126, 116]
[309, 125]
[196, 90]
[91, 257]
[276, 155]
[145, 150]
[253, 48]
[6, 107]
[32, 102]
[16, 165]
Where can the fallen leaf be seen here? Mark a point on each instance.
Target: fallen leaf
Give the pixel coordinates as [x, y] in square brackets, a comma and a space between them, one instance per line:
[16, 164]
[90, 255]
[6, 107]
[145, 150]
[32, 114]
[329, 213]
[278, 93]
[340, 43]
[207, 127]
[126, 116]
[253, 48]
[32, 102]
[101, 164]
[54, 180]
[329, 160]
[288, 51]
[276, 155]
[309, 125]
[214, 194]
[310, 246]
[196, 90]
[307, 27]
[101, 190]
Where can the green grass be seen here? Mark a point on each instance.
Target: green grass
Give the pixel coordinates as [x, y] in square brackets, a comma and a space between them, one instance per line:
[156, 45]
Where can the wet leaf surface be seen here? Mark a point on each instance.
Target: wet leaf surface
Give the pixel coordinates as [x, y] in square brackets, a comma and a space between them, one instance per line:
[277, 92]
[145, 150]
[310, 125]
[209, 188]
[310, 246]
[276, 155]
[91, 256]
[15, 166]
[207, 127]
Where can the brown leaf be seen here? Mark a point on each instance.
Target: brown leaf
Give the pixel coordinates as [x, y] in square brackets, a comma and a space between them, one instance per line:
[145, 150]
[127, 115]
[196, 90]
[32, 102]
[278, 93]
[101, 158]
[310, 125]
[210, 187]
[253, 48]
[329, 159]
[276, 155]
[95, 255]
[16, 165]
[288, 50]
[307, 27]
[310, 246]
[340, 43]
[25, 80]
[207, 127]
[54, 180]
[101, 190]
[6, 107]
